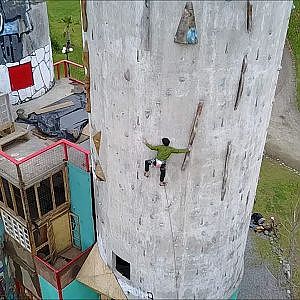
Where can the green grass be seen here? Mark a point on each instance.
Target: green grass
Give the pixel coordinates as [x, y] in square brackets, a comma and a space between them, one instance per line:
[294, 40]
[277, 193]
[57, 10]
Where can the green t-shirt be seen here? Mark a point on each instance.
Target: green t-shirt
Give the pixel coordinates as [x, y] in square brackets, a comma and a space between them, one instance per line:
[164, 152]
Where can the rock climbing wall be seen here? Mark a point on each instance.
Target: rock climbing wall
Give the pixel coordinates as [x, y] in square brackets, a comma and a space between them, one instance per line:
[151, 63]
[26, 67]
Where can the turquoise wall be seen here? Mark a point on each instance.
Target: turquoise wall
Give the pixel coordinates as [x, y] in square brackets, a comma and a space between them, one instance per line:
[81, 203]
[77, 290]
[234, 296]
[48, 290]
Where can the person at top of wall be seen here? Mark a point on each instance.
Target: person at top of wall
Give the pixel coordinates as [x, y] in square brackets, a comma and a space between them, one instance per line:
[163, 153]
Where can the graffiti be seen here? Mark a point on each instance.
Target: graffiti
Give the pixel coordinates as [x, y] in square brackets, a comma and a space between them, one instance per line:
[14, 22]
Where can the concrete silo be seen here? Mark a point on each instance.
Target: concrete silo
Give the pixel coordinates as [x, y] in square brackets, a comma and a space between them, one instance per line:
[26, 67]
[151, 63]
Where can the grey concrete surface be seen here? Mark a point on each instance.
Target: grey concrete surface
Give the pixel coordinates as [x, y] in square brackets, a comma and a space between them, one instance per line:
[61, 89]
[182, 241]
[283, 140]
[258, 282]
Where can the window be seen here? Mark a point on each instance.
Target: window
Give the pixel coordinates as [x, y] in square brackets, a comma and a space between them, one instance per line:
[16, 230]
[45, 196]
[18, 200]
[59, 188]
[8, 197]
[33, 210]
[122, 266]
[42, 198]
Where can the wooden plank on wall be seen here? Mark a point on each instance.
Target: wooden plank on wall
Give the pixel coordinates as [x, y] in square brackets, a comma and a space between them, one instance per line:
[192, 135]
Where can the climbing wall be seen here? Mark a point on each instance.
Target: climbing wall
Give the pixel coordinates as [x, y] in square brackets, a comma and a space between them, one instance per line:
[150, 64]
[26, 67]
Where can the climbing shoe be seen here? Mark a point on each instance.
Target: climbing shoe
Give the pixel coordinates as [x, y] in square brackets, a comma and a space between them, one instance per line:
[162, 183]
[146, 174]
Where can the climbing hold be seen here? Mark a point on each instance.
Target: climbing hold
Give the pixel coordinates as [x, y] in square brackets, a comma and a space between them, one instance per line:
[97, 141]
[186, 31]
[147, 113]
[127, 75]
[169, 92]
[99, 172]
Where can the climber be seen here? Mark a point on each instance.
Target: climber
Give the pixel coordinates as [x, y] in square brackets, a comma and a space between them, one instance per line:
[163, 153]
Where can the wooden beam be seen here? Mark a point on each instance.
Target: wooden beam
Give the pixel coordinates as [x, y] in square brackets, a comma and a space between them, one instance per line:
[192, 135]
[241, 83]
[225, 172]
[54, 107]
[86, 63]
[12, 194]
[52, 192]
[84, 15]
[37, 201]
[249, 16]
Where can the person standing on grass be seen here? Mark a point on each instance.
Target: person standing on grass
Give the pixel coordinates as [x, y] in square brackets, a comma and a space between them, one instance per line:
[164, 151]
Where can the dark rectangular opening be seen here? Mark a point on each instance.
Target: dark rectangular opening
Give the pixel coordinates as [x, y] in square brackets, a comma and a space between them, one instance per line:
[122, 266]
[19, 203]
[44, 252]
[59, 188]
[33, 210]
[45, 196]
[7, 194]
[40, 236]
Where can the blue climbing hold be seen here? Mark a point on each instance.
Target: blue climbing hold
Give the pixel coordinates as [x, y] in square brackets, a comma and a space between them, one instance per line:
[191, 36]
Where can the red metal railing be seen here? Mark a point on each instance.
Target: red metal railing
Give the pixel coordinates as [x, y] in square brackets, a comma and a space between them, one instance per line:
[60, 278]
[44, 159]
[68, 69]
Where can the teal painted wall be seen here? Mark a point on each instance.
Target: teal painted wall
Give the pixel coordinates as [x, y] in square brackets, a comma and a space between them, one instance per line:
[234, 296]
[48, 290]
[77, 290]
[81, 203]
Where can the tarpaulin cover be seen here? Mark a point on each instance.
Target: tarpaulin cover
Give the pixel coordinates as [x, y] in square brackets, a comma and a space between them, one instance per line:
[66, 123]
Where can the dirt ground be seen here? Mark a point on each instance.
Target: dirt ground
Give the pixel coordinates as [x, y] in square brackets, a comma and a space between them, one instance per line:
[283, 140]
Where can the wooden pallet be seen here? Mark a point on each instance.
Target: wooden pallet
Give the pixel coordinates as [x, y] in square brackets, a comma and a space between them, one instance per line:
[19, 133]
[7, 128]
[192, 135]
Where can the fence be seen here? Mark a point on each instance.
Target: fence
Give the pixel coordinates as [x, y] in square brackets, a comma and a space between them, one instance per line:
[41, 161]
[68, 69]
[60, 278]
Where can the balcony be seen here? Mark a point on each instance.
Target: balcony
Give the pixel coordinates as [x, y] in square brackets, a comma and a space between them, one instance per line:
[64, 269]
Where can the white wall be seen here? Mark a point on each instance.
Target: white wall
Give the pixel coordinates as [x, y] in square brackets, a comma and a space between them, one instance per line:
[182, 241]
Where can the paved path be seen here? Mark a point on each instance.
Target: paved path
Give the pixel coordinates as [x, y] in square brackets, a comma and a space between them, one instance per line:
[283, 140]
[258, 282]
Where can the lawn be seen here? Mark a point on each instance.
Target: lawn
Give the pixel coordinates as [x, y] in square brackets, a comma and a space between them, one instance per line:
[294, 40]
[277, 194]
[57, 10]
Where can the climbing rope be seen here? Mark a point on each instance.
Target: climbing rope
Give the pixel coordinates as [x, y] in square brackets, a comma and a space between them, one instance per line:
[174, 254]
